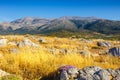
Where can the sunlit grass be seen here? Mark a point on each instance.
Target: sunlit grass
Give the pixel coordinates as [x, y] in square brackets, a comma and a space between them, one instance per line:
[35, 62]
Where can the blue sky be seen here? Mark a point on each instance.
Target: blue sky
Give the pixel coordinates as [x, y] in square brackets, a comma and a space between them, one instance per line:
[14, 9]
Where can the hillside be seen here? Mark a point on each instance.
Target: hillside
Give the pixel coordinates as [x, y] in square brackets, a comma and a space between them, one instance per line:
[29, 25]
[66, 48]
[34, 57]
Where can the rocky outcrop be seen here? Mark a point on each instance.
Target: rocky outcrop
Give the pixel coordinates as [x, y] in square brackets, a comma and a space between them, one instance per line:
[88, 73]
[94, 73]
[114, 73]
[115, 51]
[68, 72]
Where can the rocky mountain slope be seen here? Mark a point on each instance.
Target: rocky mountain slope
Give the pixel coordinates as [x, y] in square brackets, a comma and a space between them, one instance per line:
[29, 25]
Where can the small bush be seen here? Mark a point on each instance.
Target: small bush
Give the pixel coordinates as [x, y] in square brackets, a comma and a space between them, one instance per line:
[11, 77]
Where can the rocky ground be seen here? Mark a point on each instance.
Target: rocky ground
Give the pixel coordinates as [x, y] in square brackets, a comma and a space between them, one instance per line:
[67, 58]
[88, 73]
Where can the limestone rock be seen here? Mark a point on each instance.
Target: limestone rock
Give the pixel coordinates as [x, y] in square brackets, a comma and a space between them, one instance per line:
[3, 42]
[42, 40]
[115, 51]
[93, 73]
[104, 44]
[88, 73]
[26, 42]
[3, 73]
[68, 72]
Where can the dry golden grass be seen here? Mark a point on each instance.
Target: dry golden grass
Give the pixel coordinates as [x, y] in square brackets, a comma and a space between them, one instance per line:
[32, 63]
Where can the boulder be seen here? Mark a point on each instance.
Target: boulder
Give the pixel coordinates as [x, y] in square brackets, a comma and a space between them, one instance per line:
[91, 69]
[104, 44]
[115, 51]
[26, 42]
[64, 75]
[3, 73]
[88, 73]
[112, 72]
[68, 72]
[42, 40]
[102, 75]
[117, 71]
[93, 73]
[117, 77]
[3, 42]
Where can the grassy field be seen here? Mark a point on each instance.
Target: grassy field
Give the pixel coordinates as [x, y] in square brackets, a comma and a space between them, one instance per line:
[34, 63]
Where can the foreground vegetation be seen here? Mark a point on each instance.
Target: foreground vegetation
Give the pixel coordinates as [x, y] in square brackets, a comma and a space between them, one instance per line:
[34, 63]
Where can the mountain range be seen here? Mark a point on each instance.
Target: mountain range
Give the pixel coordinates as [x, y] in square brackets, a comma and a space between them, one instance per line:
[30, 25]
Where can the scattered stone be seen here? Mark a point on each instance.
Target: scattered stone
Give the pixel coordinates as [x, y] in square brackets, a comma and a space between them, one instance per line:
[3, 42]
[26, 42]
[108, 44]
[93, 73]
[115, 51]
[20, 44]
[104, 44]
[3, 73]
[68, 72]
[42, 40]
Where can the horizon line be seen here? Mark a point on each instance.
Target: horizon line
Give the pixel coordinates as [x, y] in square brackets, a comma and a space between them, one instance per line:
[10, 20]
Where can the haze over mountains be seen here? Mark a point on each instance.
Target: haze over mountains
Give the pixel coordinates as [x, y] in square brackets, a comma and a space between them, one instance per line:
[29, 25]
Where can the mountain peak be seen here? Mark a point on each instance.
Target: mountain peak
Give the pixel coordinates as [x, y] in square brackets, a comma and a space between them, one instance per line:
[71, 23]
[28, 18]
[79, 18]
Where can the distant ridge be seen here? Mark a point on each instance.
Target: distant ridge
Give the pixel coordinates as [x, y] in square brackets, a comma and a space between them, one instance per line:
[31, 25]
